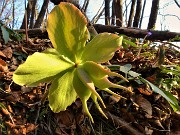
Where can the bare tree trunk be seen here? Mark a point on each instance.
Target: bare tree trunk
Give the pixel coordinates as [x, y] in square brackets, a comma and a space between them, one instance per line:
[33, 14]
[28, 12]
[177, 3]
[13, 14]
[107, 13]
[142, 13]
[41, 14]
[153, 15]
[3, 6]
[85, 5]
[113, 14]
[131, 15]
[118, 4]
[138, 13]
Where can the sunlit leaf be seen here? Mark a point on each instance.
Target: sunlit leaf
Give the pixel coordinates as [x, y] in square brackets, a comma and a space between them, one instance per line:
[62, 93]
[129, 43]
[94, 98]
[104, 83]
[83, 92]
[84, 77]
[98, 71]
[67, 30]
[41, 67]
[101, 48]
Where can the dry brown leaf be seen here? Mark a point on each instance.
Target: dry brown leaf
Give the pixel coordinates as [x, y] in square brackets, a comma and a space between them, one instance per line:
[145, 105]
[8, 52]
[3, 66]
[66, 121]
[2, 54]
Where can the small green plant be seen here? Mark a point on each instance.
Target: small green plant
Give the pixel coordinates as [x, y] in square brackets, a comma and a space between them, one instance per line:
[8, 33]
[73, 65]
[166, 94]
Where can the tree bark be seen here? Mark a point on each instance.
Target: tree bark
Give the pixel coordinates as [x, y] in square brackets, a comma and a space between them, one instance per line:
[138, 13]
[85, 5]
[142, 13]
[41, 14]
[118, 5]
[177, 3]
[32, 14]
[131, 15]
[28, 11]
[107, 13]
[113, 14]
[153, 15]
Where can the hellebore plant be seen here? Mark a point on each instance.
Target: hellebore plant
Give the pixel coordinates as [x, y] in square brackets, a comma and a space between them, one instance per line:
[72, 66]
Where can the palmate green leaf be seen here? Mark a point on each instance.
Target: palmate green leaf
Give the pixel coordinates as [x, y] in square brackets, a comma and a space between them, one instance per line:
[94, 98]
[41, 67]
[62, 93]
[83, 92]
[67, 30]
[101, 48]
[98, 71]
[104, 83]
[99, 75]
[84, 77]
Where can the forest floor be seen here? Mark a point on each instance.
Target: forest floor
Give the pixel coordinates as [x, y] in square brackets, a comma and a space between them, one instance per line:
[143, 112]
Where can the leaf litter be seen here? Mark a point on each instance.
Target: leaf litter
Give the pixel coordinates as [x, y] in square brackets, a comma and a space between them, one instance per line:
[143, 112]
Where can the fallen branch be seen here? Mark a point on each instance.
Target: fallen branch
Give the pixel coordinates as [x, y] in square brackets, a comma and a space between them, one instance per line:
[118, 122]
[138, 33]
[131, 32]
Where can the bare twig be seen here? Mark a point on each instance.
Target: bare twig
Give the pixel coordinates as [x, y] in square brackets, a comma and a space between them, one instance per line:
[98, 14]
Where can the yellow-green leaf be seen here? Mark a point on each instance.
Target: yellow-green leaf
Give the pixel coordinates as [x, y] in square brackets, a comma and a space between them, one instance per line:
[83, 92]
[98, 71]
[101, 48]
[67, 30]
[62, 93]
[87, 81]
[41, 67]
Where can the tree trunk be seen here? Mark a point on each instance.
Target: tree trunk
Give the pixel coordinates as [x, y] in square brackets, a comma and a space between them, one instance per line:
[118, 5]
[107, 13]
[28, 12]
[41, 14]
[142, 13]
[113, 14]
[153, 15]
[32, 14]
[138, 13]
[177, 3]
[85, 5]
[131, 15]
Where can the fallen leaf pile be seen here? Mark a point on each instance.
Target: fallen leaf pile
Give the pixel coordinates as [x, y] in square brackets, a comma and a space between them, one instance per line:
[24, 111]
